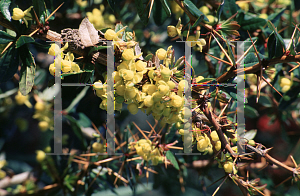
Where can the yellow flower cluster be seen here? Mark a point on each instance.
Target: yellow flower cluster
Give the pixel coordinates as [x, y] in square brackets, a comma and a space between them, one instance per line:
[194, 40]
[285, 84]
[44, 115]
[66, 60]
[100, 20]
[148, 151]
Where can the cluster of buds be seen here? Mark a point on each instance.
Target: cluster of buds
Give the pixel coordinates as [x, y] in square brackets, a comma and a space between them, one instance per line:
[66, 60]
[44, 114]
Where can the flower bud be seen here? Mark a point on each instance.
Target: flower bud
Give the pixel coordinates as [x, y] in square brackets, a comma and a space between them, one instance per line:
[161, 54]
[172, 32]
[17, 14]
[40, 156]
[132, 108]
[110, 34]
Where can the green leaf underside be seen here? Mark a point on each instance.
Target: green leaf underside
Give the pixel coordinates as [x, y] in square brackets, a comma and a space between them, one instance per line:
[9, 64]
[5, 38]
[77, 130]
[27, 71]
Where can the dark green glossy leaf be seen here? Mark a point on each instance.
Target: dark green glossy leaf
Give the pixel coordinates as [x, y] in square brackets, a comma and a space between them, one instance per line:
[252, 24]
[44, 46]
[275, 48]
[292, 95]
[77, 130]
[265, 101]
[172, 159]
[9, 64]
[4, 8]
[143, 10]
[250, 112]
[23, 39]
[220, 10]
[5, 38]
[278, 36]
[111, 4]
[230, 8]
[275, 17]
[39, 8]
[166, 7]
[195, 11]
[159, 14]
[27, 71]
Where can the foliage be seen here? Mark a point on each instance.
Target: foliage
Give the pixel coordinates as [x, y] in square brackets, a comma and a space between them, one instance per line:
[182, 98]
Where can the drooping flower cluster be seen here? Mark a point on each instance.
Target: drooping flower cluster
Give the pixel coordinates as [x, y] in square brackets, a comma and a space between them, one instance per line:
[148, 151]
[66, 60]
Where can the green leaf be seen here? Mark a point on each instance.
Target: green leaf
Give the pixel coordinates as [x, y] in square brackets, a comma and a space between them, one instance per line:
[4, 8]
[39, 8]
[143, 10]
[24, 39]
[278, 36]
[230, 8]
[9, 64]
[5, 38]
[148, 57]
[159, 14]
[166, 7]
[250, 135]
[252, 24]
[40, 77]
[77, 130]
[292, 94]
[172, 159]
[96, 48]
[275, 17]
[111, 4]
[84, 121]
[250, 112]
[195, 11]
[275, 48]
[77, 100]
[220, 10]
[265, 101]
[27, 71]
[206, 80]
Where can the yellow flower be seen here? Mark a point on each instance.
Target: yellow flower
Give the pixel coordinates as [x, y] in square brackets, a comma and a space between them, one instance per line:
[17, 14]
[214, 136]
[54, 50]
[43, 125]
[21, 99]
[161, 54]
[133, 108]
[40, 156]
[172, 32]
[244, 6]
[128, 54]
[52, 69]
[228, 167]
[195, 40]
[66, 66]
[204, 9]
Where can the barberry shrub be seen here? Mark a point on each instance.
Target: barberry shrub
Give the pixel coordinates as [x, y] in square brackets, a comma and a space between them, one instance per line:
[184, 95]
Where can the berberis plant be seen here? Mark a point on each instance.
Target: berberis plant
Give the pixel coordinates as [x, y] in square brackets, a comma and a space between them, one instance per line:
[173, 97]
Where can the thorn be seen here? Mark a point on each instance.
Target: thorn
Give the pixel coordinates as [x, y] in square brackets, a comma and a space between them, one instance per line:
[36, 18]
[271, 85]
[219, 59]
[8, 45]
[53, 12]
[152, 1]
[223, 50]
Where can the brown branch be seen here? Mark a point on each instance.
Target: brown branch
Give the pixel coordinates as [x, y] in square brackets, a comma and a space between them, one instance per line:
[225, 144]
[255, 68]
